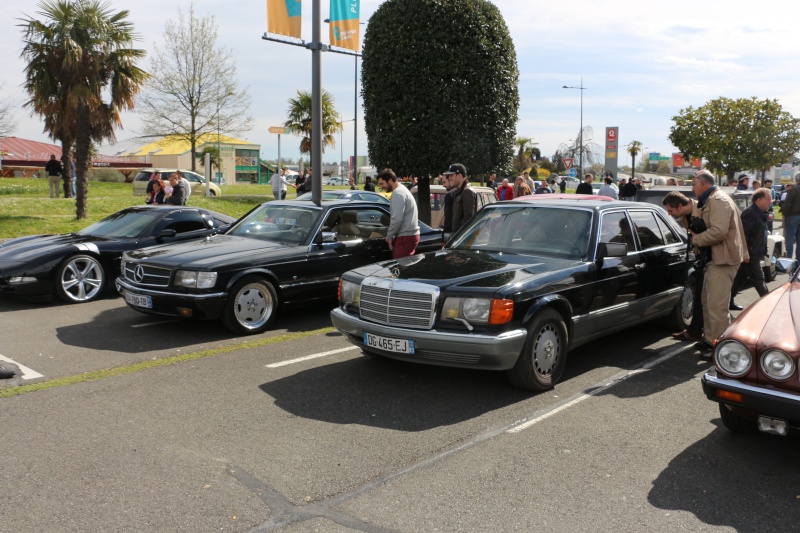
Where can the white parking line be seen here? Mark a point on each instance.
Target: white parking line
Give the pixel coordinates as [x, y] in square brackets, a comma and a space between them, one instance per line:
[597, 389]
[27, 373]
[154, 323]
[314, 356]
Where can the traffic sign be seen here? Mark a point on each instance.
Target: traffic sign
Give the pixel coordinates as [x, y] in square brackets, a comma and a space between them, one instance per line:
[279, 130]
[567, 163]
[573, 173]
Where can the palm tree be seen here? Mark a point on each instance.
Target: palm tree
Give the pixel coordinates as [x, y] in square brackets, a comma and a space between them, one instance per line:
[77, 55]
[299, 120]
[634, 147]
[524, 150]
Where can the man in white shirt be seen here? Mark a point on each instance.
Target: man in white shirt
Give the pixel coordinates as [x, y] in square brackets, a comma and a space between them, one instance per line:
[609, 189]
[279, 185]
[403, 232]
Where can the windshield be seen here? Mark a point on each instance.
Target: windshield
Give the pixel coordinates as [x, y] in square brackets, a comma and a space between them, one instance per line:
[285, 223]
[125, 224]
[534, 230]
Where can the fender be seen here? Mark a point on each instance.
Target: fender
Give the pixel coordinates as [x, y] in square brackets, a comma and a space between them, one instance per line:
[557, 302]
[271, 277]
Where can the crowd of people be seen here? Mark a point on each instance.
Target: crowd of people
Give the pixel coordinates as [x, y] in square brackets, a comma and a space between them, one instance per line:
[176, 193]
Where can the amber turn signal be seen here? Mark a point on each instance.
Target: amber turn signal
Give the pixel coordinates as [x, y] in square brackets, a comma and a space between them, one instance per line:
[502, 311]
[730, 396]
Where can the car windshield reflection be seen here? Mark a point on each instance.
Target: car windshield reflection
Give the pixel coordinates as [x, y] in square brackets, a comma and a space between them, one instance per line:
[529, 230]
[290, 224]
[122, 225]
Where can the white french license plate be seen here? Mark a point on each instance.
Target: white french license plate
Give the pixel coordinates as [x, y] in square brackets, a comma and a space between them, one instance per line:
[388, 344]
[139, 301]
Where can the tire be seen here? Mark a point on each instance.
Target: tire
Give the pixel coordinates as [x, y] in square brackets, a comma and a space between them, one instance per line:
[80, 279]
[734, 422]
[681, 315]
[251, 307]
[211, 192]
[544, 356]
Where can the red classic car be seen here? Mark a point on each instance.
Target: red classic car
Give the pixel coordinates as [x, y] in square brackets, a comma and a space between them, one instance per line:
[755, 378]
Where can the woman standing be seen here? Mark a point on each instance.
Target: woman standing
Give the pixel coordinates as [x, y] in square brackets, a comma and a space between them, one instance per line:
[157, 193]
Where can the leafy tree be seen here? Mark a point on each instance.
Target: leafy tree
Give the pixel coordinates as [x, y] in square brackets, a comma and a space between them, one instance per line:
[442, 90]
[299, 120]
[734, 135]
[193, 90]
[80, 73]
[522, 160]
[634, 147]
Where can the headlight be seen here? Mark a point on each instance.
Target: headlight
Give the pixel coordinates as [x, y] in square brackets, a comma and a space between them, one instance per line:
[195, 280]
[733, 358]
[777, 365]
[349, 293]
[478, 310]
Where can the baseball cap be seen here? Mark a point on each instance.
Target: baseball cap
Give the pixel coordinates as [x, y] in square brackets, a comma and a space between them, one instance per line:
[457, 168]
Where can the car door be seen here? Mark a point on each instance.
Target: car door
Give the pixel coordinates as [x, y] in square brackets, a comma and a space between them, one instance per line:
[665, 254]
[620, 280]
[360, 240]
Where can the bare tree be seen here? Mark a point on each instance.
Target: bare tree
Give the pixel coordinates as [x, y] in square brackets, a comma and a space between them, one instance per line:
[7, 120]
[193, 89]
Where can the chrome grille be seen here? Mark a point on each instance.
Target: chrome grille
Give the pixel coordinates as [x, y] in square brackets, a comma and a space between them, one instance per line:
[398, 303]
[150, 275]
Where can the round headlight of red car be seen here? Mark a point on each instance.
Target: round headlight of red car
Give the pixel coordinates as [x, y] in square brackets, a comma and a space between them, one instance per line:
[777, 365]
[733, 358]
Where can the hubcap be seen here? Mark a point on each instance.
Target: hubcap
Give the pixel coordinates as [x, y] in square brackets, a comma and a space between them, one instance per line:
[546, 350]
[253, 306]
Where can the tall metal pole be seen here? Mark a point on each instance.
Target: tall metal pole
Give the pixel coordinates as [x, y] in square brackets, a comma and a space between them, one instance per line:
[580, 163]
[341, 148]
[355, 122]
[316, 102]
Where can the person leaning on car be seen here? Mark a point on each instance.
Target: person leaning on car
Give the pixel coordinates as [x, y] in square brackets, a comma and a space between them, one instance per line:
[682, 208]
[464, 201]
[724, 236]
[754, 225]
[403, 232]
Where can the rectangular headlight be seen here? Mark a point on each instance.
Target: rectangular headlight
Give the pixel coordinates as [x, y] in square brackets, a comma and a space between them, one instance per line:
[478, 310]
[349, 293]
[195, 280]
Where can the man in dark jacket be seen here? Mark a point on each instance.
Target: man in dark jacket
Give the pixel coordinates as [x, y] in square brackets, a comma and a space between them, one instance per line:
[586, 186]
[628, 191]
[754, 224]
[53, 168]
[464, 201]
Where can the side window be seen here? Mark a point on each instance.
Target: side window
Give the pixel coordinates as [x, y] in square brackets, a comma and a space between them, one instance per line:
[614, 227]
[647, 229]
[373, 223]
[181, 222]
[193, 178]
[669, 236]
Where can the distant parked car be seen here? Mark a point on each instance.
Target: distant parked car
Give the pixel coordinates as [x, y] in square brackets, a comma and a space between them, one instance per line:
[197, 181]
[486, 196]
[335, 181]
[347, 194]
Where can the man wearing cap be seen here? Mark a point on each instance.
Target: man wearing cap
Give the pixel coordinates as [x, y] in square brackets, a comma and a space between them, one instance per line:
[403, 232]
[744, 184]
[464, 201]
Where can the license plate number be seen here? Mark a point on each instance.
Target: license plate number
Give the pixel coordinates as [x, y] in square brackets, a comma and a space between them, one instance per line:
[388, 344]
[139, 301]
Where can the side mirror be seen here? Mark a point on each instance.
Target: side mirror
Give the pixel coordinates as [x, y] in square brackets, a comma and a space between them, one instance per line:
[165, 234]
[325, 236]
[612, 249]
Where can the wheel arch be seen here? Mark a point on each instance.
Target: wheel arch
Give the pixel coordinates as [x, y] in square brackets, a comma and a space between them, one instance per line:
[261, 272]
[556, 302]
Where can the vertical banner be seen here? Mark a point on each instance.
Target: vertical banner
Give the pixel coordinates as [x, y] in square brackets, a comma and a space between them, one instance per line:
[345, 23]
[284, 17]
[612, 149]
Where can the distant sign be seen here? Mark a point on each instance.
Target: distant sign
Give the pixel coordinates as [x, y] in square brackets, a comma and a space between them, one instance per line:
[279, 130]
[573, 173]
[681, 166]
[567, 163]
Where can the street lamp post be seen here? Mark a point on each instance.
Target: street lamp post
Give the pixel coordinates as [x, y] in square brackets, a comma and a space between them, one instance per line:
[580, 159]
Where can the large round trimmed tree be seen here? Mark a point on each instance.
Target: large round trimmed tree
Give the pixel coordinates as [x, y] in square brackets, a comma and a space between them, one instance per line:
[440, 85]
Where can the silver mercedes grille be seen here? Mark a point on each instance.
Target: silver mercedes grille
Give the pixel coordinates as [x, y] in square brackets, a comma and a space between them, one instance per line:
[146, 275]
[398, 303]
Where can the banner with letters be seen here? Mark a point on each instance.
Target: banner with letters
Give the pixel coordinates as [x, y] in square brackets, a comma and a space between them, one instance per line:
[284, 17]
[344, 24]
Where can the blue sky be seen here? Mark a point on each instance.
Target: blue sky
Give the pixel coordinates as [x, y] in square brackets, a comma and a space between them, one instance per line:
[641, 62]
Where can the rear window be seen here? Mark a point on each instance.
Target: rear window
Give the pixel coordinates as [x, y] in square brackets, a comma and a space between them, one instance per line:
[142, 176]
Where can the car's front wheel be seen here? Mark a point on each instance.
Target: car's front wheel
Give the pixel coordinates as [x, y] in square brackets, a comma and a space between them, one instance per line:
[251, 307]
[681, 315]
[80, 279]
[544, 355]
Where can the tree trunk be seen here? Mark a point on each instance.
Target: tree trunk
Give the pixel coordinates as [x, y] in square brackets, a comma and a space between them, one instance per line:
[82, 143]
[66, 164]
[424, 199]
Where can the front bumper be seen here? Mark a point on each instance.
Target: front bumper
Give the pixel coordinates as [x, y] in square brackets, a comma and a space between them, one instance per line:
[755, 400]
[462, 350]
[207, 306]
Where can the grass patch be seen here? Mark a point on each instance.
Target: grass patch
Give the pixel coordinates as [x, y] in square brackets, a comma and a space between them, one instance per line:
[96, 375]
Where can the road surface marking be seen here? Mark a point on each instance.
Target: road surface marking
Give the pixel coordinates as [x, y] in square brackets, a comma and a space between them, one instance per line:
[597, 389]
[153, 323]
[27, 373]
[314, 356]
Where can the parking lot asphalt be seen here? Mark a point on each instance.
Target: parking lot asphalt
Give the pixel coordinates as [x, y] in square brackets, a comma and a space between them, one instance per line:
[295, 430]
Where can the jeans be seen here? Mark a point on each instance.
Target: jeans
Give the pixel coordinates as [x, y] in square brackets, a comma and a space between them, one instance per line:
[791, 232]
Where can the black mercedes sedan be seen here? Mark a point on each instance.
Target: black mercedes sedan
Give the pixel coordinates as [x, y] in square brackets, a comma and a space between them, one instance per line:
[280, 253]
[76, 267]
[520, 285]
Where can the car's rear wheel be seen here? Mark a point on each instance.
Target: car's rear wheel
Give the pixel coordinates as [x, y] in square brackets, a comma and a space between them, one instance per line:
[251, 307]
[80, 279]
[544, 356]
[681, 315]
[212, 192]
[734, 422]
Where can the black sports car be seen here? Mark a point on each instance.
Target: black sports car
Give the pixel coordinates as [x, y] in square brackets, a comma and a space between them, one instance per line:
[522, 283]
[282, 252]
[75, 267]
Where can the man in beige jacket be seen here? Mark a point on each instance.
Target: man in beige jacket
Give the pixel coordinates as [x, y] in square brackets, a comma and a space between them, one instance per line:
[725, 239]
